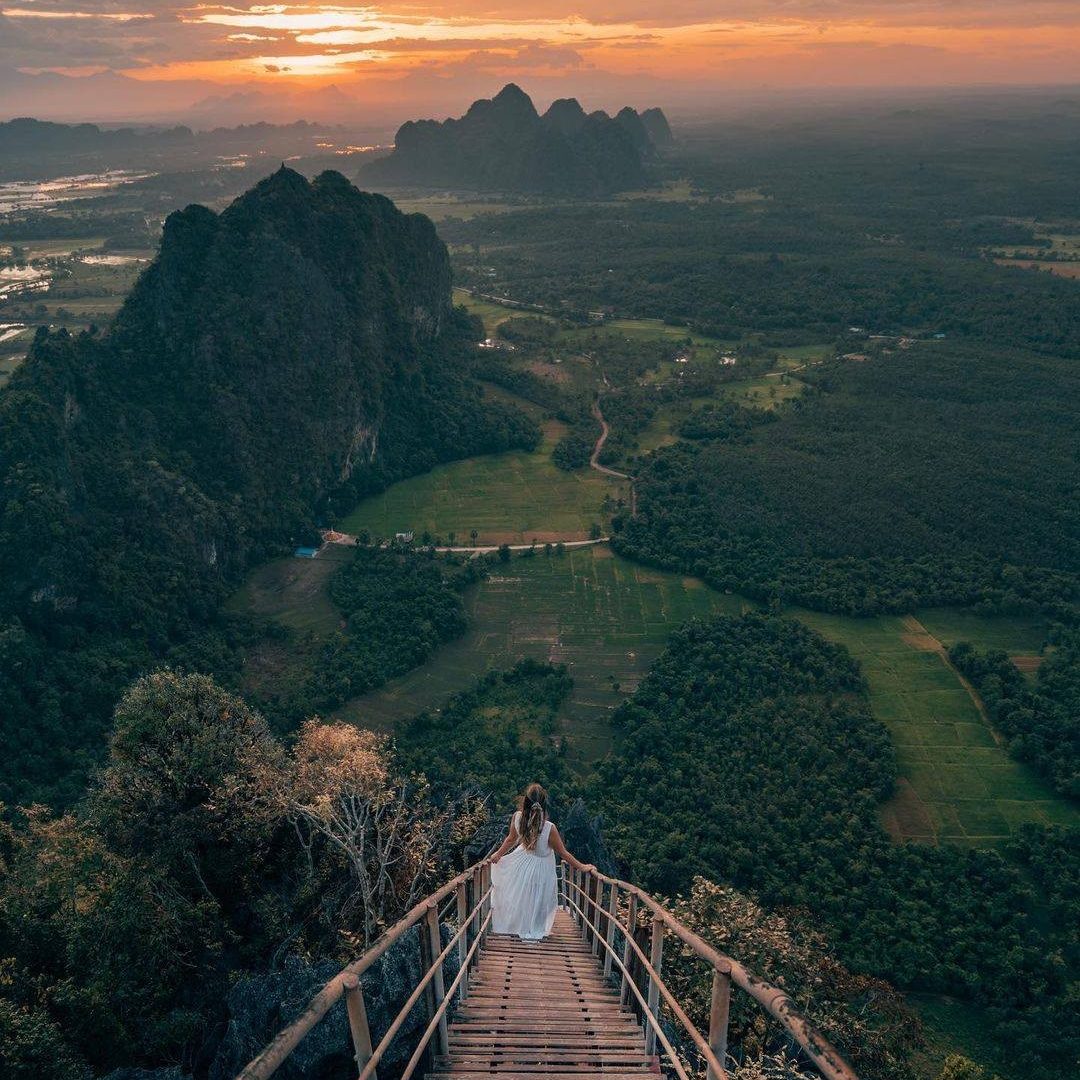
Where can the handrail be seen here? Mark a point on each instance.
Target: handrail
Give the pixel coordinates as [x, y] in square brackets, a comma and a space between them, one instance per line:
[651, 1020]
[473, 921]
[772, 999]
[703, 1047]
[440, 1012]
[282, 1045]
[414, 997]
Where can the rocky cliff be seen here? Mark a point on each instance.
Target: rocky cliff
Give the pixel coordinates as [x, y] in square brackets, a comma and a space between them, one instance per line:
[274, 362]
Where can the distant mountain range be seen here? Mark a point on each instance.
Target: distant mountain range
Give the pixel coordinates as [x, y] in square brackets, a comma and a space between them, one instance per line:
[36, 149]
[504, 144]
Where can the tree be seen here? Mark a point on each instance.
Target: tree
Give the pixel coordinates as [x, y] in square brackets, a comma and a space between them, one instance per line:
[393, 839]
[504, 553]
[957, 1067]
[188, 778]
[473, 534]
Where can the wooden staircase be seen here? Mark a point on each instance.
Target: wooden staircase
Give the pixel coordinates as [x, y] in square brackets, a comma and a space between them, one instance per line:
[543, 1011]
[589, 1000]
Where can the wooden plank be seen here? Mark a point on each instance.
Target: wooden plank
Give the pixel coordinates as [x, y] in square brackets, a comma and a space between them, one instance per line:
[545, 1012]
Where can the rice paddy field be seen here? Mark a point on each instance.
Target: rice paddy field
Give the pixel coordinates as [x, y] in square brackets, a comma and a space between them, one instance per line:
[958, 784]
[440, 207]
[604, 617]
[515, 498]
[68, 286]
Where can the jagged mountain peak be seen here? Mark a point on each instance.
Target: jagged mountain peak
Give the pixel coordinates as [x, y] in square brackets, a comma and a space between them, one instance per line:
[503, 144]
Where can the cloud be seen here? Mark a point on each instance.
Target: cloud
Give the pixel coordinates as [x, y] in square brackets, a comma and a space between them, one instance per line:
[689, 43]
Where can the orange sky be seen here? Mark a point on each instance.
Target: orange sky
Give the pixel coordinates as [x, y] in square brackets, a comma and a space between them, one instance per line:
[381, 48]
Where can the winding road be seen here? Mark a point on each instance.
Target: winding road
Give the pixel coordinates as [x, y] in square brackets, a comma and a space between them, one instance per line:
[594, 460]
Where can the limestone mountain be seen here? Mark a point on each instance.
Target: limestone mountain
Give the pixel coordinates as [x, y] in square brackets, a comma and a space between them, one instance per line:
[504, 144]
[656, 124]
[275, 361]
[629, 120]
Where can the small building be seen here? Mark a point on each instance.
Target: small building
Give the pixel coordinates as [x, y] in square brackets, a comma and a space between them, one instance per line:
[728, 360]
[306, 552]
[404, 537]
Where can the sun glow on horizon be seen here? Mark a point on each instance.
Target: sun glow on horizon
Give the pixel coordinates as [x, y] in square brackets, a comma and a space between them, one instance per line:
[746, 41]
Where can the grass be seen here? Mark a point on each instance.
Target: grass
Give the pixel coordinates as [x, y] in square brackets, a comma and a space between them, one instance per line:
[516, 497]
[62, 246]
[293, 592]
[958, 784]
[604, 617]
[765, 392]
[491, 314]
[656, 330]
[442, 207]
[672, 191]
[1017, 635]
[952, 1026]
[608, 619]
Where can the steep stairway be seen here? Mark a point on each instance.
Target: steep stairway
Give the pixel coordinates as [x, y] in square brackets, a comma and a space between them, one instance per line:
[588, 1000]
[542, 1010]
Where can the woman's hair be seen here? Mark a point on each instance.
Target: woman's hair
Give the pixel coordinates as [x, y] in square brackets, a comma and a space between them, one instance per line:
[533, 812]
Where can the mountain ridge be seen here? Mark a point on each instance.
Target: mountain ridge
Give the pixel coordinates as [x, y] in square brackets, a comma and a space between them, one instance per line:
[503, 143]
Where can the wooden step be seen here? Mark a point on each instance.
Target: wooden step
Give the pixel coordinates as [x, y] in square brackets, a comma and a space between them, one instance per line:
[543, 1011]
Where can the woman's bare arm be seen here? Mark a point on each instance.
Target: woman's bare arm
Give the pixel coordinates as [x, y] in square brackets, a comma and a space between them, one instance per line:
[509, 842]
[560, 849]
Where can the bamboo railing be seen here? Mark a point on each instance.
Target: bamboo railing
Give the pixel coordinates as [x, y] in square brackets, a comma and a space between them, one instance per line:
[596, 902]
[583, 893]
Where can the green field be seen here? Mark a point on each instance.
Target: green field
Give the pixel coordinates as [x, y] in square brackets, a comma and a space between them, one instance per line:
[442, 207]
[491, 314]
[604, 617]
[1018, 635]
[293, 591]
[608, 619]
[515, 498]
[958, 783]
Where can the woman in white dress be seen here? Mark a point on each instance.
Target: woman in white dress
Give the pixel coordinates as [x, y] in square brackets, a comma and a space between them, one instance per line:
[525, 890]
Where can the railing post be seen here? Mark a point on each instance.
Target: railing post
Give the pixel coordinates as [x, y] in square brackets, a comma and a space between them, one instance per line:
[596, 913]
[609, 937]
[485, 887]
[358, 1022]
[718, 1021]
[656, 959]
[477, 892]
[574, 877]
[628, 954]
[438, 985]
[583, 900]
[463, 944]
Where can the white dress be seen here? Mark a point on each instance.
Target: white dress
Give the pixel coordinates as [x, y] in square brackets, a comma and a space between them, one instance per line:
[525, 891]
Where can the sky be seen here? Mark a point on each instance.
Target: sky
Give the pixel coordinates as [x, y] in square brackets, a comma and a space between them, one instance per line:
[98, 58]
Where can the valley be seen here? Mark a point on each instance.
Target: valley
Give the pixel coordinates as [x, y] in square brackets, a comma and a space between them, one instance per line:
[607, 619]
[734, 498]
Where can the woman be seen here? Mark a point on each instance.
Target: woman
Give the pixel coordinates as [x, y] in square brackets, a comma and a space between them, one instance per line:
[525, 891]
